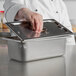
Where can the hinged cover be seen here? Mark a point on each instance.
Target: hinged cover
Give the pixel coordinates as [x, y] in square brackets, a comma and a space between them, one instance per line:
[51, 28]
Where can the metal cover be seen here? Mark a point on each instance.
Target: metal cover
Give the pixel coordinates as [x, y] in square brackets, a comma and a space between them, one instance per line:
[51, 28]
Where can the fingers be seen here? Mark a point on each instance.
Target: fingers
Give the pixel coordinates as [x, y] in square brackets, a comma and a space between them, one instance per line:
[37, 22]
[33, 24]
[40, 23]
[36, 25]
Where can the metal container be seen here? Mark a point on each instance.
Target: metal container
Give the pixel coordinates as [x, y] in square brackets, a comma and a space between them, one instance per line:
[29, 46]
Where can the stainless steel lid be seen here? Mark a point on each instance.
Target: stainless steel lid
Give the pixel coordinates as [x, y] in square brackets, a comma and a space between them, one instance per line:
[51, 28]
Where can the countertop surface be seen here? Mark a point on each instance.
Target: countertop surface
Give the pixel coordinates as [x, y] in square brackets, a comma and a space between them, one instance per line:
[59, 66]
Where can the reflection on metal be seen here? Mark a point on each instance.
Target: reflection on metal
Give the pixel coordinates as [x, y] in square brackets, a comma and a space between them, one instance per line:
[29, 45]
[47, 67]
[25, 31]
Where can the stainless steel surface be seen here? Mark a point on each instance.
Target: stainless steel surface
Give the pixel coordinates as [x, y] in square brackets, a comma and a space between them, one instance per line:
[33, 46]
[59, 66]
[36, 49]
[50, 29]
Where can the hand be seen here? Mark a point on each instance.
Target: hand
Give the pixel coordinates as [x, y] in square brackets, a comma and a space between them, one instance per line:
[27, 15]
[29, 33]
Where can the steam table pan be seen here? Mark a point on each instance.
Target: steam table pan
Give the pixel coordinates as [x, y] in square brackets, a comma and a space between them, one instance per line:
[27, 45]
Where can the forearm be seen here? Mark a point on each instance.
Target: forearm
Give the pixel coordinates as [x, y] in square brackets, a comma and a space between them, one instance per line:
[11, 8]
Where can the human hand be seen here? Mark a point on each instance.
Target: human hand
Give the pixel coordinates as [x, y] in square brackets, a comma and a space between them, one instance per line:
[35, 19]
[27, 32]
